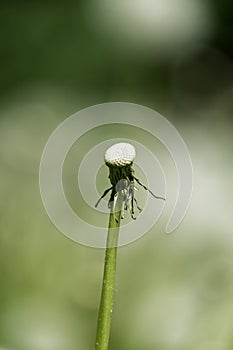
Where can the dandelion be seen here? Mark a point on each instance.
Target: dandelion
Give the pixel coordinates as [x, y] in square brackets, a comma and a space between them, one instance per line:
[119, 159]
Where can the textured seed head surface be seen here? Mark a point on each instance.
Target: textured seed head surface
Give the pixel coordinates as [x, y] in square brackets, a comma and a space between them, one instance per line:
[120, 154]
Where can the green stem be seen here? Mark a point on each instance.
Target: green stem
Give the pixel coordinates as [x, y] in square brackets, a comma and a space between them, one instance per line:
[108, 286]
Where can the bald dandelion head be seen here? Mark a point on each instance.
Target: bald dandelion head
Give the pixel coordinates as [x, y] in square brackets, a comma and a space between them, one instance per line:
[120, 154]
[119, 158]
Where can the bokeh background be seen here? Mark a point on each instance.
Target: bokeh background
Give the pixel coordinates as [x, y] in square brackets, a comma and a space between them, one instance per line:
[175, 56]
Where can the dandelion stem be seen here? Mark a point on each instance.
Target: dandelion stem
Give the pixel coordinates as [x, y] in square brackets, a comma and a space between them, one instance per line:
[108, 286]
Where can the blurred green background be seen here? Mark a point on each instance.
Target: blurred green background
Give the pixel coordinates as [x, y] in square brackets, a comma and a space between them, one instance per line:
[173, 292]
